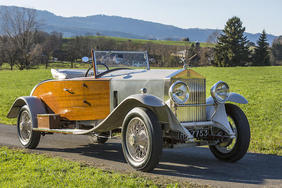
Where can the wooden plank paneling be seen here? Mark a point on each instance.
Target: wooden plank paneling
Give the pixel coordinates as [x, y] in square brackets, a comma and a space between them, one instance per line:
[48, 121]
[76, 99]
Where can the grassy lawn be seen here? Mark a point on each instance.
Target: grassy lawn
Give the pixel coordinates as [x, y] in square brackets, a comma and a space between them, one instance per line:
[260, 85]
[162, 42]
[20, 169]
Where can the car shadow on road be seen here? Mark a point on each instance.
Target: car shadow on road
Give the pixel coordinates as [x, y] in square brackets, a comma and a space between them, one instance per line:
[197, 162]
[107, 151]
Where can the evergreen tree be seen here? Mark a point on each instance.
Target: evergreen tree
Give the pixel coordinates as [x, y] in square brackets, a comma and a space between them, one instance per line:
[261, 56]
[231, 48]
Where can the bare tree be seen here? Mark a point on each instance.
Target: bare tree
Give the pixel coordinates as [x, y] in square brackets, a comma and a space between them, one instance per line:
[72, 49]
[50, 43]
[19, 25]
[36, 55]
[276, 51]
[8, 51]
[212, 38]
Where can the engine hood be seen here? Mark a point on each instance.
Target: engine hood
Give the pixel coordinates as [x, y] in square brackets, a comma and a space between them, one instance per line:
[157, 82]
[153, 74]
[136, 74]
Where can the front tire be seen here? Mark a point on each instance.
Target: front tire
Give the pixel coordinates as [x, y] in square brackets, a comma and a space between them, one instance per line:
[232, 150]
[142, 139]
[27, 137]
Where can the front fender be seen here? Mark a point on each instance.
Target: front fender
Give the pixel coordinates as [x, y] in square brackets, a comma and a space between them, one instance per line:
[217, 112]
[233, 97]
[35, 105]
[147, 99]
[237, 98]
[155, 104]
[115, 118]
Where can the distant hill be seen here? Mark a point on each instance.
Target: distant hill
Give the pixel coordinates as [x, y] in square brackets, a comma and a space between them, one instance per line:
[122, 27]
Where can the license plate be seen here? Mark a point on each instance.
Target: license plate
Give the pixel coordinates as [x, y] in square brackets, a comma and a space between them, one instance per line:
[200, 133]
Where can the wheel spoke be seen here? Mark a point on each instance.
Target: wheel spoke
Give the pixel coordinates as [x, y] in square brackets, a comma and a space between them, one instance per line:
[25, 127]
[137, 139]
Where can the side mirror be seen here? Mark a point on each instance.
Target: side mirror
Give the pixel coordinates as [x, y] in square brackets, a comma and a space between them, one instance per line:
[85, 59]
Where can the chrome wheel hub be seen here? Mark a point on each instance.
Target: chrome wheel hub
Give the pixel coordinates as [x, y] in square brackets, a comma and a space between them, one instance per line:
[228, 145]
[132, 139]
[137, 139]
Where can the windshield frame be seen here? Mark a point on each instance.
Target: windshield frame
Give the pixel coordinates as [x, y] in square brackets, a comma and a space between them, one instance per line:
[96, 75]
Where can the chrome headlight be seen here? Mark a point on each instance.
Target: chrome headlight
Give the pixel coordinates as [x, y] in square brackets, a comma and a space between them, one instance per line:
[179, 92]
[220, 92]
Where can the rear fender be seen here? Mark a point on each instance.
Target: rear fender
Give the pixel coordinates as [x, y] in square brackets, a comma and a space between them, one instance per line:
[35, 105]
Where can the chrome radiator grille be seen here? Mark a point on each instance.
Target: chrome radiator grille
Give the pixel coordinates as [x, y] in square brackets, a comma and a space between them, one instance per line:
[195, 108]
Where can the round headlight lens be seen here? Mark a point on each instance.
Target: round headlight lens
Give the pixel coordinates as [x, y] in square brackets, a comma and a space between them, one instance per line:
[220, 91]
[179, 92]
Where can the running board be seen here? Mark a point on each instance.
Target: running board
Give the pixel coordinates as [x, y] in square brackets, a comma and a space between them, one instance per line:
[63, 131]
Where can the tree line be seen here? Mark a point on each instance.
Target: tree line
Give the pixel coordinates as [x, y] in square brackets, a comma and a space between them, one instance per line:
[233, 48]
[23, 45]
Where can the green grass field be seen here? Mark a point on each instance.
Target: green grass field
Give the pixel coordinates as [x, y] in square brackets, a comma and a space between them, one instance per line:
[162, 42]
[20, 169]
[262, 86]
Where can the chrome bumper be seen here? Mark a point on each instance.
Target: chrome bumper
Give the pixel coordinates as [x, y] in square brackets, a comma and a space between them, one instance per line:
[188, 125]
[216, 117]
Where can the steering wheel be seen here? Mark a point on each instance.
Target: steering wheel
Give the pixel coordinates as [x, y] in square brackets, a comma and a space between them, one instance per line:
[92, 67]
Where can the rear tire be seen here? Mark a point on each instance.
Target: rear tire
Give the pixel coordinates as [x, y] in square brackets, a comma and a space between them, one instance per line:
[27, 137]
[142, 139]
[242, 131]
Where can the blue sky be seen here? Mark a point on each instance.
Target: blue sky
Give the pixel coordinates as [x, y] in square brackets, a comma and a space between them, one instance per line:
[256, 15]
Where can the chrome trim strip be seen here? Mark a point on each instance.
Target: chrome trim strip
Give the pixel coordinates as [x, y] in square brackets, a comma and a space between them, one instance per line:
[63, 131]
[187, 105]
[130, 52]
[175, 73]
[200, 123]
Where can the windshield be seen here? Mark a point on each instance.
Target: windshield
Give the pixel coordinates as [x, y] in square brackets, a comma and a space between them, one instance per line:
[116, 60]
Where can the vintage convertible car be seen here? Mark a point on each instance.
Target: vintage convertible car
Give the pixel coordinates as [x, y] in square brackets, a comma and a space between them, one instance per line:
[153, 108]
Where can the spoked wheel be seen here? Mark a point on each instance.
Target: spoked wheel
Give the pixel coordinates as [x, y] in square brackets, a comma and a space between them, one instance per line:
[142, 139]
[232, 150]
[137, 139]
[28, 138]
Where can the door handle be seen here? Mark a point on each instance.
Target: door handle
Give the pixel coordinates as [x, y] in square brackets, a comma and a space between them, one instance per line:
[69, 91]
[86, 102]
